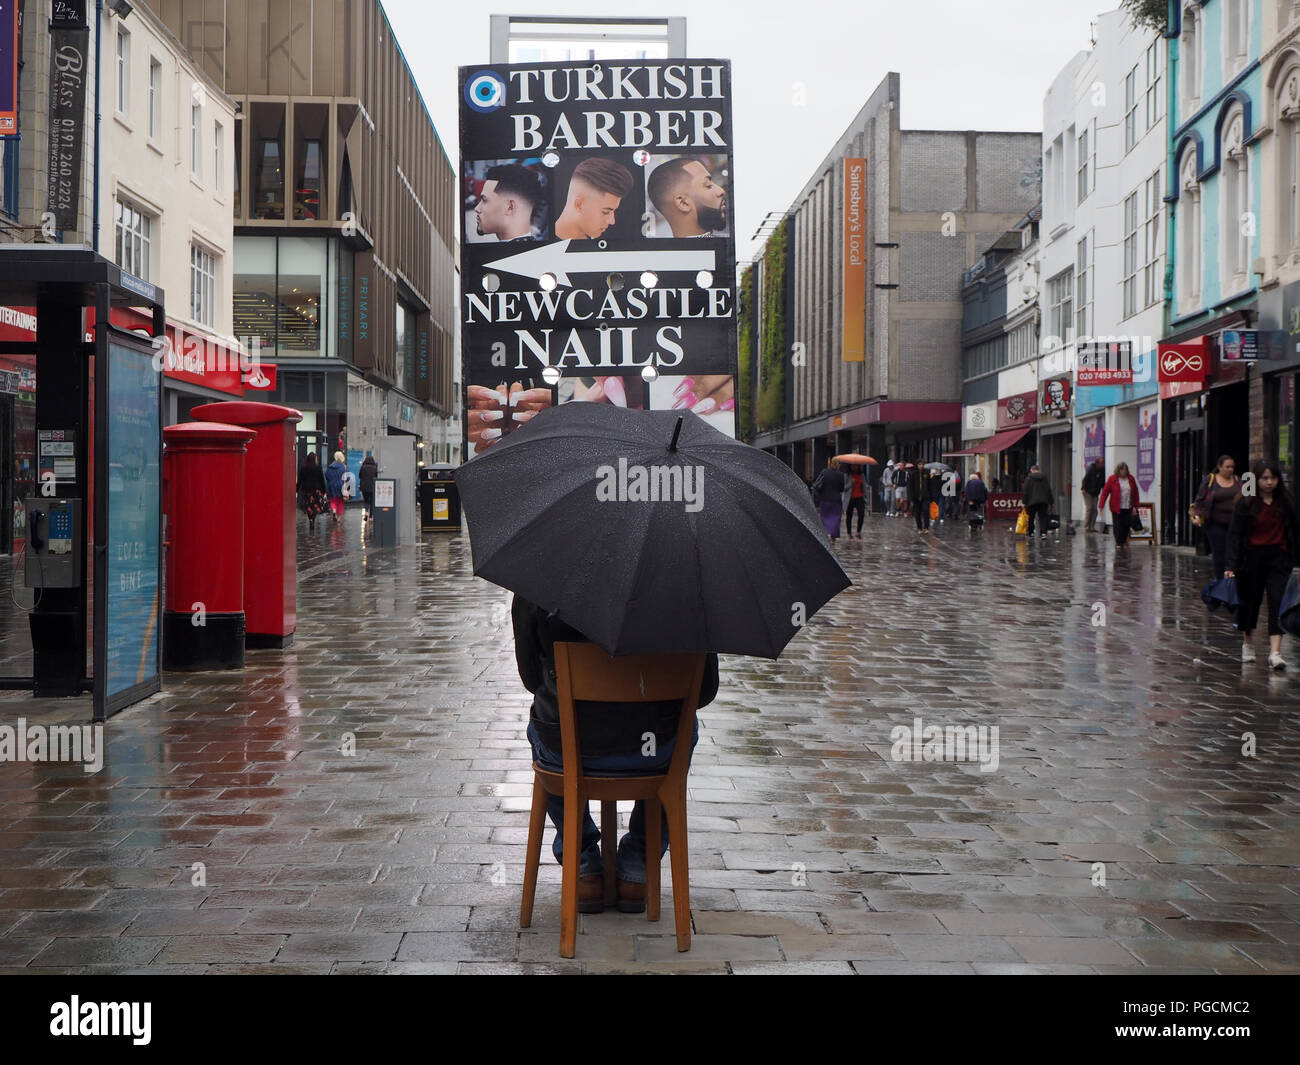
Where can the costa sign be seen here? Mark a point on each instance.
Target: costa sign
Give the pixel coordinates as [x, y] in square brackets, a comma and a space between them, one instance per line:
[1182, 363]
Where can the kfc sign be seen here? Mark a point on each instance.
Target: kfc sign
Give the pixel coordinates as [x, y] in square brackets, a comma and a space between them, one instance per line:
[1055, 400]
[1182, 363]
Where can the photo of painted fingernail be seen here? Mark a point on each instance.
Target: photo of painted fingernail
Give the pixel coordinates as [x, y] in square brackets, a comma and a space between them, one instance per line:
[491, 415]
[687, 401]
[705, 406]
[525, 415]
[728, 404]
[615, 392]
[686, 385]
[491, 434]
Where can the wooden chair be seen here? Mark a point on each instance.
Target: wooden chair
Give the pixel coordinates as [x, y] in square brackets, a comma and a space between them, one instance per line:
[584, 672]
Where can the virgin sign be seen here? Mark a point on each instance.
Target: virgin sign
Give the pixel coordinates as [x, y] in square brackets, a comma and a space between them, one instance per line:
[1182, 363]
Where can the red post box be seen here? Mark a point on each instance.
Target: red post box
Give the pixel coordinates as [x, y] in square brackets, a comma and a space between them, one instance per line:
[203, 613]
[270, 518]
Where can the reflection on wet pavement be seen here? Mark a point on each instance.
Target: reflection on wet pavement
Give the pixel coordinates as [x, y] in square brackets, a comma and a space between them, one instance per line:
[358, 802]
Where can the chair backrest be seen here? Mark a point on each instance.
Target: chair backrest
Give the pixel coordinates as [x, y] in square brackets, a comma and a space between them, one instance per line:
[584, 672]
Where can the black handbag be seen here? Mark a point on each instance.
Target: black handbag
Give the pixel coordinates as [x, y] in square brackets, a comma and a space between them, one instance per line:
[1134, 522]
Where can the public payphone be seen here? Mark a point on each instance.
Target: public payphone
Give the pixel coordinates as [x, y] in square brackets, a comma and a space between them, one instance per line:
[55, 543]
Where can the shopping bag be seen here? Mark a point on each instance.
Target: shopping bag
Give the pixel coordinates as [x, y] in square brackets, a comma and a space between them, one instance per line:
[934, 511]
[1222, 592]
[1289, 612]
[1022, 523]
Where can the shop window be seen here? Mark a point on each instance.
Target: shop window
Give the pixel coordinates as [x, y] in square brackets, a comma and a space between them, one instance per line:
[254, 291]
[310, 155]
[302, 273]
[267, 131]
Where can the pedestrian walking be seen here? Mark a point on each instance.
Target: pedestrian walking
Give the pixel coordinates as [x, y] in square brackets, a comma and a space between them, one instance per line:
[312, 498]
[613, 744]
[1263, 549]
[902, 489]
[366, 482]
[828, 491]
[334, 485]
[934, 489]
[976, 495]
[1121, 495]
[1094, 480]
[1038, 498]
[858, 488]
[918, 497]
[887, 487]
[1214, 507]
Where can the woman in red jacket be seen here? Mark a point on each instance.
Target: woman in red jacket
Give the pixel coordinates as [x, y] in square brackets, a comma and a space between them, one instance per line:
[1122, 492]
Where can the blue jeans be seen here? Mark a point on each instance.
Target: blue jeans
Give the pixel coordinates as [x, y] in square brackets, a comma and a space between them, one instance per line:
[631, 849]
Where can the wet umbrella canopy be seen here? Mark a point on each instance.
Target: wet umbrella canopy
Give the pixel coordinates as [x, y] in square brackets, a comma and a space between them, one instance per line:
[649, 531]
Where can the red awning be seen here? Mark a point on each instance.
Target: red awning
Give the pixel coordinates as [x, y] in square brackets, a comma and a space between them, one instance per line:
[997, 442]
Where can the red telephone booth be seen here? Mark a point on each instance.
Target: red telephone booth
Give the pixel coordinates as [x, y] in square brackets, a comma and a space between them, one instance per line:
[203, 614]
[270, 518]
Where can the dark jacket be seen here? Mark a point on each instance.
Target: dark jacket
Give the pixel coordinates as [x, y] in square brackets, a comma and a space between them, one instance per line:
[1094, 479]
[832, 483]
[605, 728]
[916, 485]
[1239, 556]
[366, 479]
[976, 491]
[334, 479]
[310, 479]
[1038, 489]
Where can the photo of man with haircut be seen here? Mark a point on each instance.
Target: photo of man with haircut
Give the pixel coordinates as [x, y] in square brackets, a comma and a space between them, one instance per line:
[684, 192]
[510, 197]
[596, 189]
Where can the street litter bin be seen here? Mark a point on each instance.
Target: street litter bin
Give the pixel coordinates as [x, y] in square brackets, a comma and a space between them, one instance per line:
[439, 497]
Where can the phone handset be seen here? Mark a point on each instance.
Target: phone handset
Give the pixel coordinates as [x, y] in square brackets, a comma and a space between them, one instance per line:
[34, 537]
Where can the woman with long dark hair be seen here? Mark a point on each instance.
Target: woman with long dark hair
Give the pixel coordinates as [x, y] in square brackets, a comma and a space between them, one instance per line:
[1214, 506]
[1263, 547]
[311, 489]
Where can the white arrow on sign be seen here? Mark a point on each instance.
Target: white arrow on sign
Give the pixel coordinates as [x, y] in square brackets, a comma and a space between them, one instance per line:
[556, 259]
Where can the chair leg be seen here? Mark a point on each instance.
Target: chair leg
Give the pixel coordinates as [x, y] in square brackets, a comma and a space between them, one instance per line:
[569, 878]
[609, 847]
[678, 848]
[533, 853]
[653, 845]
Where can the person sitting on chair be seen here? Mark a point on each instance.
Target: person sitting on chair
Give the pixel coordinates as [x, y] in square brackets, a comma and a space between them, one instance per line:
[613, 739]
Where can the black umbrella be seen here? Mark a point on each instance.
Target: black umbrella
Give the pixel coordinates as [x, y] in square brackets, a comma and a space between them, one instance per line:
[649, 531]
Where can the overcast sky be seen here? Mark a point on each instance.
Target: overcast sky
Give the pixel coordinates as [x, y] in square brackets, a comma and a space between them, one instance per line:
[964, 64]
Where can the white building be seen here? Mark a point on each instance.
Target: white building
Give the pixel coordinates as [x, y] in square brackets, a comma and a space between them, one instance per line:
[1103, 251]
[166, 181]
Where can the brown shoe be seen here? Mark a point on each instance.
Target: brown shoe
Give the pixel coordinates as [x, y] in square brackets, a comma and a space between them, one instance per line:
[631, 897]
[591, 893]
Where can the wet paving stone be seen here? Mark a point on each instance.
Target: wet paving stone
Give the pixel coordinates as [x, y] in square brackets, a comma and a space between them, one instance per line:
[357, 803]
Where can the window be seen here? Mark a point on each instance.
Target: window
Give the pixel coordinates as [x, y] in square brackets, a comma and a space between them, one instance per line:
[1060, 299]
[1082, 294]
[266, 149]
[1084, 172]
[1236, 31]
[196, 117]
[310, 144]
[1154, 60]
[239, 166]
[1131, 238]
[218, 138]
[1130, 109]
[1288, 129]
[155, 98]
[1153, 279]
[123, 69]
[1189, 57]
[203, 286]
[9, 176]
[1238, 219]
[1189, 234]
[134, 240]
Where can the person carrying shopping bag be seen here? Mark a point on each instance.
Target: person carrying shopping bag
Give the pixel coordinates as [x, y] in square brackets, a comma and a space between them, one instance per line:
[1122, 493]
[1213, 509]
[1263, 549]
